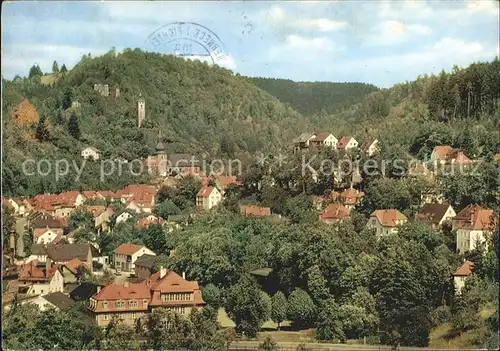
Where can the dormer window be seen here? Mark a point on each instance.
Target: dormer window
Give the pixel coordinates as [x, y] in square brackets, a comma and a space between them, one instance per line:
[120, 304]
[105, 304]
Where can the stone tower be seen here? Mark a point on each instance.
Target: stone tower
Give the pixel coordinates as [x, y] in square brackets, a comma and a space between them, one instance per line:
[161, 154]
[141, 111]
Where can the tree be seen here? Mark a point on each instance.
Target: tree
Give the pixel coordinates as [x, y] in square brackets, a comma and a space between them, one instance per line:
[42, 131]
[166, 208]
[167, 330]
[246, 306]
[55, 67]
[301, 309]
[268, 344]
[119, 336]
[278, 308]
[59, 119]
[329, 324]
[67, 98]
[212, 295]
[74, 127]
[207, 332]
[63, 68]
[35, 71]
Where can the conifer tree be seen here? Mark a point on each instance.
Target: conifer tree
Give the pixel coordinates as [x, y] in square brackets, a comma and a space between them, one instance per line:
[74, 127]
[55, 67]
[63, 68]
[42, 132]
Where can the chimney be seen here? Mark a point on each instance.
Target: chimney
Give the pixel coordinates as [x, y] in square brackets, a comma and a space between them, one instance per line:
[184, 275]
[163, 272]
[98, 289]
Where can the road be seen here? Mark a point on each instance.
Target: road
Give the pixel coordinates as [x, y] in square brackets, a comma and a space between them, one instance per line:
[292, 346]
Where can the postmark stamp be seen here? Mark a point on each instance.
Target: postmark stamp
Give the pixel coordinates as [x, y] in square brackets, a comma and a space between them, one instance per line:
[188, 39]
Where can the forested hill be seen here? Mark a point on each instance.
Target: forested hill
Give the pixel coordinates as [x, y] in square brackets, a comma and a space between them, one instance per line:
[198, 108]
[314, 97]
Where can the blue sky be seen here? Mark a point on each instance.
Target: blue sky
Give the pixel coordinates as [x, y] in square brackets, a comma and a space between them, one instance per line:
[379, 42]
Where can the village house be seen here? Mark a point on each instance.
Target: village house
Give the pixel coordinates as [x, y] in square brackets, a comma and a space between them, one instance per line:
[347, 143]
[131, 301]
[102, 220]
[123, 217]
[92, 195]
[222, 182]
[370, 146]
[69, 270]
[35, 279]
[18, 205]
[303, 140]
[136, 191]
[436, 214]
[125, 255]
[253, 210]
[323, 139]
[334, 213]
[349, 197]
[46, 236]
[41, 224]
[144, 266]
[461, 274]
[208, 197]
[61, 253]
[108, 195]
[473, 225]
[91, 153]
[145, 222]
[445, 154]
[386, 222]
[56, 300]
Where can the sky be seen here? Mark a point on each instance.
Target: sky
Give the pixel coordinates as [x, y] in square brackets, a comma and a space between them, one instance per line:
[378, 42]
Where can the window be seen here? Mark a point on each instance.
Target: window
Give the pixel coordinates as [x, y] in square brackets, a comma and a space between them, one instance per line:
[120, 304]
[145, 303]
[105, 304]
[133, 303]
[105, 317]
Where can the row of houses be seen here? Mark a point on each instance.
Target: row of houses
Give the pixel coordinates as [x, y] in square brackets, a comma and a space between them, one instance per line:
[328, 140]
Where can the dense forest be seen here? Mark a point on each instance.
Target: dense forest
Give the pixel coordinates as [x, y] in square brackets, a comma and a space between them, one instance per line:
[313, 97]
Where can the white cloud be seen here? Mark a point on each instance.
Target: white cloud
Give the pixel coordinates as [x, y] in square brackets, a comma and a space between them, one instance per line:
[276, 16]
[490, 7]
[321, 24]
[402, 10]
[304, 47]
[392, 32]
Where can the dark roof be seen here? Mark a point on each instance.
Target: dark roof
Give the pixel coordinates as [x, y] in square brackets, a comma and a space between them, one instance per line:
[46, 220]
[147, 261]
[433, 213]
[84, 291]
[178, 218]
[62, 252]
[59, 300]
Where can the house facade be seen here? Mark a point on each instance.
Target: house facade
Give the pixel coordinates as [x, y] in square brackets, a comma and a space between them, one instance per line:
[125, 255]
[91, 153]
[461, 275]
[131, 301]
[46, 236]
[386, 222]
[39, 280]
[436, 214]
[473, 225]
[208, 197]
[347, 143]
[335, 213]
[323, 139]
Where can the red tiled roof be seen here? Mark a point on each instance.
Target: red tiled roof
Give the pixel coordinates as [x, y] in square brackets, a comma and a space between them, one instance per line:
[320, 137]
[253, 210]
[446, 152]
[146, 221]
[335, 212]
[107, 194]
[388, 218]
[122, 292]
[225, 181]
[475, 217]
[128, 249]
[205, 192]
[464, 270]
[74, 264]
[442, 151]
[96, 210]
[351, 196]
[31, 272]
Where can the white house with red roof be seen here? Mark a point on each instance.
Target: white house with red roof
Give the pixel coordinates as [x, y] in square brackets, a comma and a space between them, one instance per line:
[325, 139]
[46, 236]
[126, 254]
[461, 274]
[386, 222]
[347, 143]
[39, 280]
[208, 197]
[473, 225]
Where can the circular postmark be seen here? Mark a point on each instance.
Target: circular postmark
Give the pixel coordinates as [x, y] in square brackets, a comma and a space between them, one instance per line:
[188, 39]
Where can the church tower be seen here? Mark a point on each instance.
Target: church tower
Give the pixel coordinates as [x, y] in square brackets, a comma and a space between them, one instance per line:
[141, 111]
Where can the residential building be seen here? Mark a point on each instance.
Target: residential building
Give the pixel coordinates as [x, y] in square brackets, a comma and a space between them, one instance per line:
[386, 222]
[123, 217]
[18, 205]
[323, 139]
[56, 300]
[253, 210]
[334, 213]
[131, 301]
[445, 154]
[35, 279]
[473, 225]
[103, 220]
[436, 214]
[46, 236]
[347, 143]
[69, 270]
[91, 153]
[370, 146]
[303, 140]
[125, 255]
[222, 182]
[144, 266]
[208, 197]
[61, 253]
[44, 222]
[145, 222]
[349, 197]
[461, 274]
